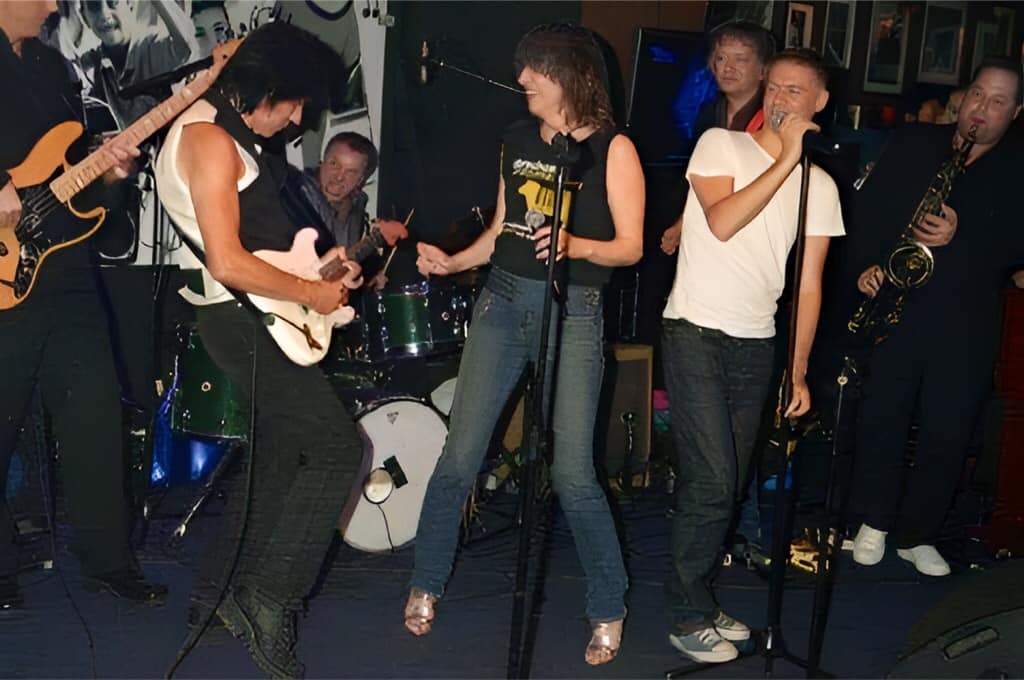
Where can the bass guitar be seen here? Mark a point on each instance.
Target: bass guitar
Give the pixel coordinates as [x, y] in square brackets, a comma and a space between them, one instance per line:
[46, 183]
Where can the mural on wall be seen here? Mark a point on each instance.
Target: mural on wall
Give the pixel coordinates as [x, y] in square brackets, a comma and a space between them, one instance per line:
[115, 44]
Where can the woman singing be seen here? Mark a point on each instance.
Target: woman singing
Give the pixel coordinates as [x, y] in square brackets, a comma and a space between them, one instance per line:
[562, 71]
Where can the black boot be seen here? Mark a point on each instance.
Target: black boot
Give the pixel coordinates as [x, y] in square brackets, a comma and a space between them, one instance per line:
[265, 627]
[127, 584]
[10, 594]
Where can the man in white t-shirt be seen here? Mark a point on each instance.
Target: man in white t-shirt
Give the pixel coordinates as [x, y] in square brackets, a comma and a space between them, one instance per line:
[738, 226]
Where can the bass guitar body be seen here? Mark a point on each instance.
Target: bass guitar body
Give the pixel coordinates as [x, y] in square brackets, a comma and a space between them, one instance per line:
[46, 224]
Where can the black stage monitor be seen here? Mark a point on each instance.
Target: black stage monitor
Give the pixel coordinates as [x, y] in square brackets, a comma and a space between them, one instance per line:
[671, 82]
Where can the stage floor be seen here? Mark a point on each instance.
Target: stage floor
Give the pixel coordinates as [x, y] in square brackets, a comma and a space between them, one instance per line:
[354, 625]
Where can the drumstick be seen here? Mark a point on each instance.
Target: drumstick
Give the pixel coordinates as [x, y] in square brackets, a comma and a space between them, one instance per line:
[394, 248]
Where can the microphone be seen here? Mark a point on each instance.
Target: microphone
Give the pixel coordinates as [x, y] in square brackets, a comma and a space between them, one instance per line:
[567, 149]
[424, 57]
[812, 141]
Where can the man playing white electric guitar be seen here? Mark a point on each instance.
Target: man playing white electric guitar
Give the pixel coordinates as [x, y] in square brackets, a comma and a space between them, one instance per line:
[305, 452]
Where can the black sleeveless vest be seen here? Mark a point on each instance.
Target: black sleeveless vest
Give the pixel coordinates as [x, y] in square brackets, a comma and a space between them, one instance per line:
[264, 223]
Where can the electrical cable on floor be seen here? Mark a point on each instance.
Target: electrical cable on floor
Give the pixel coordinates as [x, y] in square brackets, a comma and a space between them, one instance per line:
[193, 639]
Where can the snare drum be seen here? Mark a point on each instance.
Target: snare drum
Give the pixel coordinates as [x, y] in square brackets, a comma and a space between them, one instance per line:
[402, 441]
[204, 401]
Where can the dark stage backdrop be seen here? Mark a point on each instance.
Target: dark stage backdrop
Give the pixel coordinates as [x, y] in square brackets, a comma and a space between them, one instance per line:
[439, 141]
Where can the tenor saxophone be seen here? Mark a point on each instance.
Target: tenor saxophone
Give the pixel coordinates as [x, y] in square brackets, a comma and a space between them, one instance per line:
[909, 263]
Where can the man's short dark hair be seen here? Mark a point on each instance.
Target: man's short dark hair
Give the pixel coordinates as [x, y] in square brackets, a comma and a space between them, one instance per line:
[1006, 64]
[803, 56]
[360, 145]
[279, 62]
[754, 35]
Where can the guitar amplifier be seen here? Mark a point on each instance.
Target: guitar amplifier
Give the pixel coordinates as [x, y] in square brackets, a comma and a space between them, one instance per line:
[623, 433]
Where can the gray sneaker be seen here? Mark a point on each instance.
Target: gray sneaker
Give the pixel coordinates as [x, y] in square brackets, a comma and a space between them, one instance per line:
[731, 629]
[704, 645]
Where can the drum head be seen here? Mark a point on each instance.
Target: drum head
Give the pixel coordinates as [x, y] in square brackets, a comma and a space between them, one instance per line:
[403, 438]
[443, 396]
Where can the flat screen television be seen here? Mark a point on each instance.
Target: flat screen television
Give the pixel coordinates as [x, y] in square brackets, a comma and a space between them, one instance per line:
[671, 82]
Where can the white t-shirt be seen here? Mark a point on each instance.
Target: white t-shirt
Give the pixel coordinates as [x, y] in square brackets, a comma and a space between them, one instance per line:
[734, 285]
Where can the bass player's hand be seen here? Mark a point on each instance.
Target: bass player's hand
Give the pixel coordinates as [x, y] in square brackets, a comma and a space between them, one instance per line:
[870, 281]
[10, 207]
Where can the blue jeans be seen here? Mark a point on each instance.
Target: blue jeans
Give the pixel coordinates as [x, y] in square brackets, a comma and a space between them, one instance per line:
[504, 336]
[717, 385]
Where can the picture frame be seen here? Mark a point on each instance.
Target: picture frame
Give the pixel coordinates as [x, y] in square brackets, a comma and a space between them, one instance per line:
[942, 43]
[887, 48]
[1004, 18]
[837, 41]
[986, 43]
[758, 11]
[799, 22]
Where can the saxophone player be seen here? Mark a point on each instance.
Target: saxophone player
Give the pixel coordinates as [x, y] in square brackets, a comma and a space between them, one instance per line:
[937, 361]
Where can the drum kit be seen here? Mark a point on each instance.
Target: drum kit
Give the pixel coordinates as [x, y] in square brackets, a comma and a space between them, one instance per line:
[394, 369]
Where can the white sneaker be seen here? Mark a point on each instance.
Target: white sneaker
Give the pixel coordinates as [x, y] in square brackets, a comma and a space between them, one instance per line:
[869, 545]
[705, 645]
[926, 559]
[731, 629]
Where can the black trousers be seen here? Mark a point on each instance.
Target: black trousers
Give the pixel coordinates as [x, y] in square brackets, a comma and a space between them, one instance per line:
[303, 464]
[57, 338]
[945, 379]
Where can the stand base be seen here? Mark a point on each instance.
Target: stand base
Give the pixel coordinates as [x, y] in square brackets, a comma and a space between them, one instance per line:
[746, 648]
[755, 646]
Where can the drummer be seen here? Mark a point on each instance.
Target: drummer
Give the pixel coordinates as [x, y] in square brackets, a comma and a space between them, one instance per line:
[334, 190]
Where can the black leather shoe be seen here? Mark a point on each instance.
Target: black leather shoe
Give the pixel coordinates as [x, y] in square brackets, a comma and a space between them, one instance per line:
[127, 584]
[10, 595]
[266, 628]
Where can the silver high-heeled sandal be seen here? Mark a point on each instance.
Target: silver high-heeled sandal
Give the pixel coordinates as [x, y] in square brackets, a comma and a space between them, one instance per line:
[605, 640]
[419, 612]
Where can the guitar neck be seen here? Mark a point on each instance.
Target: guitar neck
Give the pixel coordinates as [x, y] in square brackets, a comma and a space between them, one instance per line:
[80, 175]
[333, 269]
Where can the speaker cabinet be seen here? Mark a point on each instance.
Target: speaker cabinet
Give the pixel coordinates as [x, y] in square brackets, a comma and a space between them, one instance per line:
[623, 436]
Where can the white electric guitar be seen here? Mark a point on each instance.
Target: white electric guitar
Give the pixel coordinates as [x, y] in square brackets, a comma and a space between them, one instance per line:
[304, 334]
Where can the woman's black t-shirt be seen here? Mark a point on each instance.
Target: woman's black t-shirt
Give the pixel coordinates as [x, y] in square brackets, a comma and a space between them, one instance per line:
[528, 168]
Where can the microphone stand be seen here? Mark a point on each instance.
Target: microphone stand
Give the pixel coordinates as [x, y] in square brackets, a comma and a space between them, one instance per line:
[538, 439]
[785, 495]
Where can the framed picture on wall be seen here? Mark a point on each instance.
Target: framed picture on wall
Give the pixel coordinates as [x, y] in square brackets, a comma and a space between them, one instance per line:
[887, 48]
[1004, 18]
[986, 43]
[838, 41]
[942, 43]
[758, 11]
[799, 21]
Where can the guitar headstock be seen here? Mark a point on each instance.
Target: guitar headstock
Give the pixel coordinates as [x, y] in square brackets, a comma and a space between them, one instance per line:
[222, 53]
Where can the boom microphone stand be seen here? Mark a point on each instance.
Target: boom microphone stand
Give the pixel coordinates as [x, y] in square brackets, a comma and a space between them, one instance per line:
[538, 440]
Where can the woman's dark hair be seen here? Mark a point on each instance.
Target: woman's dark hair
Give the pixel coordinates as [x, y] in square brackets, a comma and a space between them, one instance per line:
[569, 55]
[279, 62]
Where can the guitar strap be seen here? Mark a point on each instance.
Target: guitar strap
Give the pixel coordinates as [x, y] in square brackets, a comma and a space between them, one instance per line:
[195, 299]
